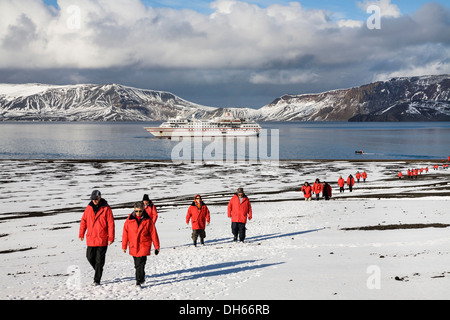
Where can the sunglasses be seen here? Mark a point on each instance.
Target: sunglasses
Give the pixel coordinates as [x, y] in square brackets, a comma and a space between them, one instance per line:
[138, 211]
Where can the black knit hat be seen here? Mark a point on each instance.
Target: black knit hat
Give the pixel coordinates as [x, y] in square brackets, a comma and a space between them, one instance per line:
[95, 194]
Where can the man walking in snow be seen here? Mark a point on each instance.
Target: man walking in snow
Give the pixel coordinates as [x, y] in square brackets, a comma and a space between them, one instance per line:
[98, 221]
[239, 209]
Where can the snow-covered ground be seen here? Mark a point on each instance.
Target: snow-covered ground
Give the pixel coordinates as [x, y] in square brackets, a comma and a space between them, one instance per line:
[294, 249]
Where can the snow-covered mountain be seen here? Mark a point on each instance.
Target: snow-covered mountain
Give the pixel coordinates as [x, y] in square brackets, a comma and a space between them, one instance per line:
[425, 98]
[88, 102]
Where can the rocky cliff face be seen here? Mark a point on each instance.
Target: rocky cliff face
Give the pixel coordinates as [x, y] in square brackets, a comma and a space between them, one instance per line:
[399, 99]
[424, 98]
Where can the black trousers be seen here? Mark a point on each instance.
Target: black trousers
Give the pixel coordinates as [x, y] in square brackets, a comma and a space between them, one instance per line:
[238, 229]
[199, 233]
[96, 257]
[139, 265]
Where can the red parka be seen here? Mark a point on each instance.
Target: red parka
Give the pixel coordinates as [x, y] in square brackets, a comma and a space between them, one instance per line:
[139, 236]
[239, 211]
[99, 226]
[151, 211]
[199, 216]
[317, 187]
[306, 191]
[341, 182]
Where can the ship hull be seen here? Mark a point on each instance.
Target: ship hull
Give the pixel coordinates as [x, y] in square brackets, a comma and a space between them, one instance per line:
[210, 132]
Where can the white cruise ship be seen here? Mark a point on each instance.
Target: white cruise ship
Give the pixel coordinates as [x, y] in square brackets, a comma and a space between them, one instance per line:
[225, 126]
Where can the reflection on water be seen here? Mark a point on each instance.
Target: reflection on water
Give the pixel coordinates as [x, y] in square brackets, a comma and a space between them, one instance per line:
[298, 140]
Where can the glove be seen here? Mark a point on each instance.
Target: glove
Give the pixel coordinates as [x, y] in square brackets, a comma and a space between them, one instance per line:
[156, 252]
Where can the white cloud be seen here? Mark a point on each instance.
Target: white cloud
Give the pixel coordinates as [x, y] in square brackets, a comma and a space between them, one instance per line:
[283, 77]
[284, 44]
[387, 9]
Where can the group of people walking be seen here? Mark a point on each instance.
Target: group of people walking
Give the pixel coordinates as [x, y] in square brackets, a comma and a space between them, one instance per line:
[326, 189]
[415, 172]
[316, 188]
[139, 230]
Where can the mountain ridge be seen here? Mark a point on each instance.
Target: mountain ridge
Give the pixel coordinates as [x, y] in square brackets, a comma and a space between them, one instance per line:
[424, 98]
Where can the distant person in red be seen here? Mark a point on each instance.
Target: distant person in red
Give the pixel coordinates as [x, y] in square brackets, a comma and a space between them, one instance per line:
[98, 221]
[400, 175]
[364, 176]
[317, 188]
[358, 176]
[150, 208]
[350, 182]
[341, 183]
[327, 191]
[307, 191]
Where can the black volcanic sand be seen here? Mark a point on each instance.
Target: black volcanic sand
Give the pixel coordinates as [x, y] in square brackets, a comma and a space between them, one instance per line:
[262, 182]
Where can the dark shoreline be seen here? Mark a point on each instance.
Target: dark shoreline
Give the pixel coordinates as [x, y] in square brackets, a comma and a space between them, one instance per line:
[225, 162]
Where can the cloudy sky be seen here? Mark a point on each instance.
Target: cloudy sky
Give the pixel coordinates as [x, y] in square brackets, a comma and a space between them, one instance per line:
[223, 53]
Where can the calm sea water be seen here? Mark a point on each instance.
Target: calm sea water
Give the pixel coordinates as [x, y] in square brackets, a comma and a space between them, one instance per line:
[297, 140]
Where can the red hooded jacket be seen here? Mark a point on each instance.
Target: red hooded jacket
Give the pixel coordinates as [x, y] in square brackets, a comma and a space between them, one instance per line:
[199, 216]
[139, 235]
[99, 226]
[239, 211]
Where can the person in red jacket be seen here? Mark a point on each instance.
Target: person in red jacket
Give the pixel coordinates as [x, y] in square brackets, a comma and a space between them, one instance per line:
[358, 176]
[400, 175]
[198, 212]
[327, 191]
[239, 209]
[364, 176]
[307, 191]
[98, 221]
[341, 183]
[317, 188]
[139, 233]
[350, 182]
[150, 208]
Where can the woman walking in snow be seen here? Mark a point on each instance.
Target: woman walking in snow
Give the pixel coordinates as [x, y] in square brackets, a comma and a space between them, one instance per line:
[307, 191]
[139, 233]
[198, 213]
[150, 208]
